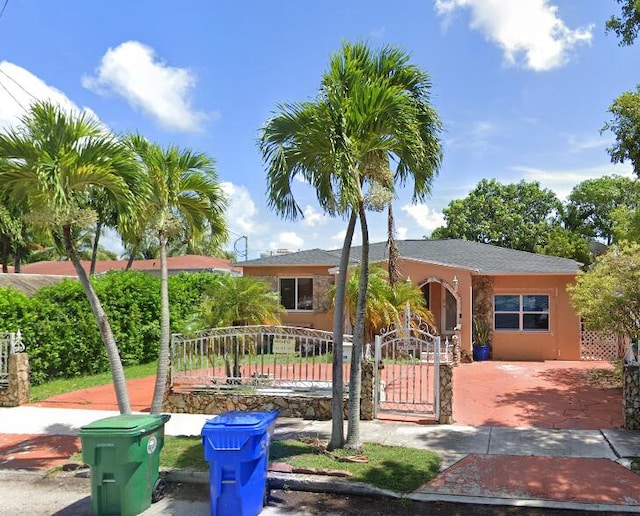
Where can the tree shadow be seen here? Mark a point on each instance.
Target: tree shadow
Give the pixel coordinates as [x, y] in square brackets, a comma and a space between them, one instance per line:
[570, 401]
[38, 452]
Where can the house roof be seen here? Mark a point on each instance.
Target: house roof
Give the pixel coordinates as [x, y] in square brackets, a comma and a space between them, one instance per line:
[28, 283]
[474, 256]
[193, 263]
[318, 257]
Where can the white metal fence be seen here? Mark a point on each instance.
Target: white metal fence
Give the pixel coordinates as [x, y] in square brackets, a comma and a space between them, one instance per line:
[9, 343]
[268, 357]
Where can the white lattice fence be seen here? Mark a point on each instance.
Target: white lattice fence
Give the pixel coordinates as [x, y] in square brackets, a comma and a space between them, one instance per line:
[599, 345]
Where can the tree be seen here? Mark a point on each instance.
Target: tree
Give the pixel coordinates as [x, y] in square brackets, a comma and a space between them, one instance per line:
[626, 26]
[516, 215]
[625, 125]
[373, 108]
[593, 202]
[239, 301]
[51, 161]
[566, 244]
[608, 295]
[184, 193]
[386, 302]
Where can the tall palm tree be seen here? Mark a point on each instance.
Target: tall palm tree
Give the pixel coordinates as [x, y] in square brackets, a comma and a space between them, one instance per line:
[372, 111]
[51, 161]
[185, 193]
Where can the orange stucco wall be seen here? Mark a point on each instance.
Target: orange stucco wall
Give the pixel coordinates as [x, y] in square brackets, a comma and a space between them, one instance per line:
[321, 320]
[561, 342]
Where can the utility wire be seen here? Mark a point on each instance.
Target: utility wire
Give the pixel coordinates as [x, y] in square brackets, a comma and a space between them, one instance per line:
[3, 7]
[18, 84]
[11, 95]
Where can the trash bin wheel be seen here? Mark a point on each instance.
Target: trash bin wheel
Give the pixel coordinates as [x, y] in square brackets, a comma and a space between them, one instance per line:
[159, 490]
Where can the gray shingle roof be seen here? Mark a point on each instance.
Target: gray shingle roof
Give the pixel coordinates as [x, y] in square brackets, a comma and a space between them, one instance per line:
[310, 257]
[481, 258]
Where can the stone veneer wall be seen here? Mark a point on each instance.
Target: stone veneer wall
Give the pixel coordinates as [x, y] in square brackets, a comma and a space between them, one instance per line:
[631, 396]
[293, 405]
[446, 394]
[17, 393]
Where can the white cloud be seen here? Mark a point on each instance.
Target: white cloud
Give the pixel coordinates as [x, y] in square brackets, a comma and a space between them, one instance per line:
[579, 144]
[241, 211]
[529, 32]
[133, 71]
[401, 233]
[287, 240]
[475, 137]
[19, 88]
[312, 217]
[424, 216]
[563, 181]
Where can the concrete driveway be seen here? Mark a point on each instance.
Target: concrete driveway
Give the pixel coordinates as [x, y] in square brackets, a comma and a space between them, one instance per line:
[550, 394]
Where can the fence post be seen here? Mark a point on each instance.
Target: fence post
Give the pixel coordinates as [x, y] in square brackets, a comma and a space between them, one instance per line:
[17, 392]
[446, 394]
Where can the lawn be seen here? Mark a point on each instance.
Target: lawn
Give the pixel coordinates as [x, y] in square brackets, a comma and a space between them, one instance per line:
[64, 385]
[396, 468]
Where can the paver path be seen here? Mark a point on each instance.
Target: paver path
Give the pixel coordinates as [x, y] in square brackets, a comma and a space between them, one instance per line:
[550, 394]
[103, 397]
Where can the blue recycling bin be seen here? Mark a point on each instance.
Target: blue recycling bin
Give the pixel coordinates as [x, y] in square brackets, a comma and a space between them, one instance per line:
[236, 445]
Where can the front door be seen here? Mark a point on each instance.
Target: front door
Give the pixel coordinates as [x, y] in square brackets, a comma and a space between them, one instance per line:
[449, 313]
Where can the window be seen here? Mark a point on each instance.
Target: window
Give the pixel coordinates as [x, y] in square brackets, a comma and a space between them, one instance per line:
[296, 293]
[526, 312]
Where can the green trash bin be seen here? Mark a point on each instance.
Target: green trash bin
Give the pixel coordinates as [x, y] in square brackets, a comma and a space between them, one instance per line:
[124, 455]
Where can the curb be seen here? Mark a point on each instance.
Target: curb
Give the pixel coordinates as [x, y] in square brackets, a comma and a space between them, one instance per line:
[328, 484]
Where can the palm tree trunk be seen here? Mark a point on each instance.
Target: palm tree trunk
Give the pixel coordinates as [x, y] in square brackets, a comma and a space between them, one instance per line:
[94, 250]
[132, 255]
[163, 353]
[355, 379]
[337, 401]
[117, 371]
[394, 272]
[5, 254]
[17, 259]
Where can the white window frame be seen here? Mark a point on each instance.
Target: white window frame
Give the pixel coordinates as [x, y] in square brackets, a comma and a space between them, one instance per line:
[296, 292]
[521, 313]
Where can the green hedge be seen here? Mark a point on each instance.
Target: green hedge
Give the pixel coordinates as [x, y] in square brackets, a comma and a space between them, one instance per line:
[61, 334]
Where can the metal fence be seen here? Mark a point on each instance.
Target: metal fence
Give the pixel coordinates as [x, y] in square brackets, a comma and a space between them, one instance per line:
[9, 343]
[264, 357]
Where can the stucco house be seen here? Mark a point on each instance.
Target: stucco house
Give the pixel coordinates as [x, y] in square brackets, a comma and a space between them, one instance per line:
[523, 294]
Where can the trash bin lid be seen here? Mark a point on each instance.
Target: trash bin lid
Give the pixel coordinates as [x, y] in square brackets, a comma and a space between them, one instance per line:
[126, 424]
[239, 420]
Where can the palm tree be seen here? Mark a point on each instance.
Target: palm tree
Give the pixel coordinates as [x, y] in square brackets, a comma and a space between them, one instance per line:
[185, 193]
[386, 302]
[372, 110]
[237, 301]
[51, 161]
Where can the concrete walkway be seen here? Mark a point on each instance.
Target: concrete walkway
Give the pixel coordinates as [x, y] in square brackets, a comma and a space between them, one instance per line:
[580, 469]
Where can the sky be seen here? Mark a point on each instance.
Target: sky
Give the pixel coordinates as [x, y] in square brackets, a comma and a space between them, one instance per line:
[522, 88]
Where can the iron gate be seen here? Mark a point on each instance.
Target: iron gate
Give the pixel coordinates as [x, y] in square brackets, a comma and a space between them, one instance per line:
[407, 360]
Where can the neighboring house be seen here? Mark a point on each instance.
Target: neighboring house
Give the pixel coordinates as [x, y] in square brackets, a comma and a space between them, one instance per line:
[523, 294]
[175, 264]
[28, 283]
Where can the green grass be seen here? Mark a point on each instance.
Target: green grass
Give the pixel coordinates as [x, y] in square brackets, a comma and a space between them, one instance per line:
[635, 465]
[390, 467]
[64, 385]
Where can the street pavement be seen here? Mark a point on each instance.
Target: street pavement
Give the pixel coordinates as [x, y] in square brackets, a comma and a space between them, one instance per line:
[554, 468]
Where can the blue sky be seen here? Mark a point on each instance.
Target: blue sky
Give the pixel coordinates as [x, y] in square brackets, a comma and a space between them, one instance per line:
[522, 86]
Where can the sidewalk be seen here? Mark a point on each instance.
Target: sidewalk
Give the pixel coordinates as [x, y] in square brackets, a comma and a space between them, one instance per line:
[578, 469]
